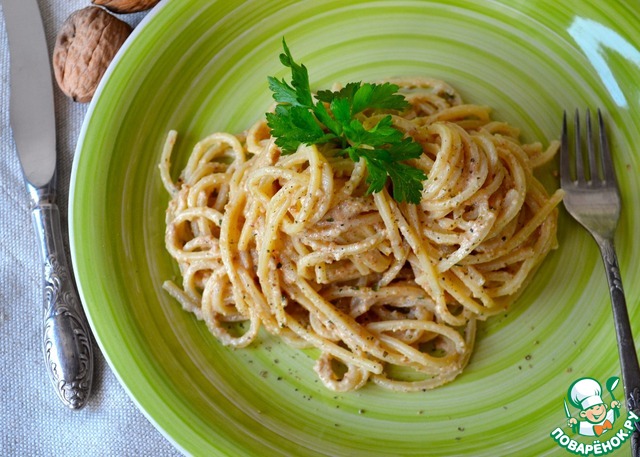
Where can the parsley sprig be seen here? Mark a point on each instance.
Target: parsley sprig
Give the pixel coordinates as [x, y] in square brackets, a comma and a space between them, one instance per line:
[332, 118]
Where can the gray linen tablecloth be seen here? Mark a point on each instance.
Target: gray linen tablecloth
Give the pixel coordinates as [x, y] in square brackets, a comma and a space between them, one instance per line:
[33, 420]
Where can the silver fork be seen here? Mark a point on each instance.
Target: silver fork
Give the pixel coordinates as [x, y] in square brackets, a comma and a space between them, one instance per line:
[593, 199]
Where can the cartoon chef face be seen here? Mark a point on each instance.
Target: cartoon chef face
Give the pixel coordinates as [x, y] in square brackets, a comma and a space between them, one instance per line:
[595, 414]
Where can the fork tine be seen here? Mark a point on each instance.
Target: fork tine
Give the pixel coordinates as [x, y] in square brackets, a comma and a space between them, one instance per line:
[608, 171]
[594, 174]
[580, 176]
[565, 159]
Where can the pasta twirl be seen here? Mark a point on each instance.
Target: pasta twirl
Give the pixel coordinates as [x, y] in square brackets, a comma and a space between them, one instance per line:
[387, 292]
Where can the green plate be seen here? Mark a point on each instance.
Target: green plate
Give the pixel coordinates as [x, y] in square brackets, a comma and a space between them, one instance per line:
[200, 66]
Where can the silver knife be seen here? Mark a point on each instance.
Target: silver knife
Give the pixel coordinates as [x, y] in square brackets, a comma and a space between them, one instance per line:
[66, 339]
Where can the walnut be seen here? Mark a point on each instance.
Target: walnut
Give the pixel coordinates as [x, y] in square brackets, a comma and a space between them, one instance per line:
[86, 44]
[126, 6]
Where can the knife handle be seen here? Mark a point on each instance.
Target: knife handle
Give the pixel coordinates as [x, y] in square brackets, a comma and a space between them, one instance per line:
[66, 339]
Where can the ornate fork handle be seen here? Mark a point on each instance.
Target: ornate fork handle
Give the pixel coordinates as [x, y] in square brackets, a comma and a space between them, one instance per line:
[66, 338]
[626, 346]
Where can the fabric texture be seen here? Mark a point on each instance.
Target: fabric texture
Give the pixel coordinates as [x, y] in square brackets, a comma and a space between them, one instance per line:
[34, 421]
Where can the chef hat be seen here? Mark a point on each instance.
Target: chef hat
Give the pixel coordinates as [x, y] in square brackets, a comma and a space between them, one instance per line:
[586, 392]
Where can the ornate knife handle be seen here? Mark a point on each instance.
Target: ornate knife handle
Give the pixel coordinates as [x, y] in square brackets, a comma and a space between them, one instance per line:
[66, 339]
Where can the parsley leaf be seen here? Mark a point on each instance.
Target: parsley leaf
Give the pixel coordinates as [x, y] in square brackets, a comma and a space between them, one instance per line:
[299, 79]
[295, 125]
[282, 92]
[406, 180]
[333, 118]
[381, 133]
[378, 96]
[346, 92]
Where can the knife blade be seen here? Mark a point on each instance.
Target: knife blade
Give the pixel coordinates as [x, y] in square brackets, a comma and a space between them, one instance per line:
[66, 339]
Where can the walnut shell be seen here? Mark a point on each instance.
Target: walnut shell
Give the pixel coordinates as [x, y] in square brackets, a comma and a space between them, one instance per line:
[126, 6]
[86, 44]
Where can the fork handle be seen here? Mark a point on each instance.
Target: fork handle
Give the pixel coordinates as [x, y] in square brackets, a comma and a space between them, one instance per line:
[626, 345]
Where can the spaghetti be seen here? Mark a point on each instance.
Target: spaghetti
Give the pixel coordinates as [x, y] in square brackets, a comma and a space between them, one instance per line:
[386, 292]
